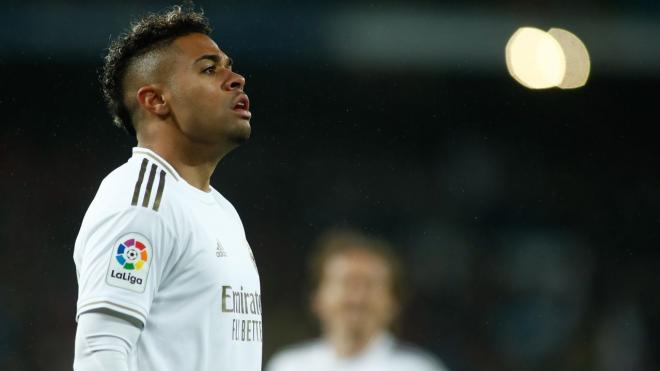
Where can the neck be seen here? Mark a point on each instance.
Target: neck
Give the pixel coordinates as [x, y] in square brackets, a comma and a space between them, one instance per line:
[349, 344]
[194, 162]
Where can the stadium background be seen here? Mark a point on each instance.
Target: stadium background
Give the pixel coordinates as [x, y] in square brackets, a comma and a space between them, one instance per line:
[528, 220]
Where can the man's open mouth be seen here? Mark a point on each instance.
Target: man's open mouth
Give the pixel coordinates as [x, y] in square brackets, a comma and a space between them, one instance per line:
[242, 103]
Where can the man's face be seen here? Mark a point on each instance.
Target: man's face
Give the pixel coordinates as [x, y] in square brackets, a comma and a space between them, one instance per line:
[354, 296]
[206, 97]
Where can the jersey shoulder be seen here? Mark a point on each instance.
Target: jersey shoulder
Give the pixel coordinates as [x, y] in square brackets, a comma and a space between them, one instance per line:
[291, 357]
[142, 185]
[417, 357]
[140, 182]
[223, 202]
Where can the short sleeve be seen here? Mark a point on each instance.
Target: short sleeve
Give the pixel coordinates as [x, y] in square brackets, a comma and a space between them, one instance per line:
[121, 260]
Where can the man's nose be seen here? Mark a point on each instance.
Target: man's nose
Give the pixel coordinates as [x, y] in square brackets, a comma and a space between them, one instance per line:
[234, 82]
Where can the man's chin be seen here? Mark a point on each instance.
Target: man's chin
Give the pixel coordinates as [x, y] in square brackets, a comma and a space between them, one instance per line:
[357, 322]
[241, 134]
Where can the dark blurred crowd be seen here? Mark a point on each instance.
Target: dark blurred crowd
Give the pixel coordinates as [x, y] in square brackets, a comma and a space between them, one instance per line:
[526, 221]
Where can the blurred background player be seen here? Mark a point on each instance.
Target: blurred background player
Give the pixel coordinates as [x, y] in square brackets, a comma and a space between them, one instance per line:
[356, 295]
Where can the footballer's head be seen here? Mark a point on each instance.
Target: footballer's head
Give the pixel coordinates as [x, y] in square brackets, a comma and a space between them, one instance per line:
[166, 73]
[356, 282]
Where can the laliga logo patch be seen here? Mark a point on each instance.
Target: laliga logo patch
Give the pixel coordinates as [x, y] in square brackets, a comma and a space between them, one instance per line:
[130, 262]
[132, 254]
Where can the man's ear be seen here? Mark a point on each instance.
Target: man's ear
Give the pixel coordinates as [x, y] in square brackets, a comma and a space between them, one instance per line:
[151, 98]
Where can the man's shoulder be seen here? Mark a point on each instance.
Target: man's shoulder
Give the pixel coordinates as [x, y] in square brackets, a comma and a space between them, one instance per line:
[416, 357]
[140, 182]
[141, 185]
[295, 355]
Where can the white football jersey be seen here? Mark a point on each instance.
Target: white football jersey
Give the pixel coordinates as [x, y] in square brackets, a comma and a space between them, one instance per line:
[383, 354]
[175, 258]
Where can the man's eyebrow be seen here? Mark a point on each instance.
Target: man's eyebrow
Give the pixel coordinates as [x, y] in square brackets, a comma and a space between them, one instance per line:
[216, 59]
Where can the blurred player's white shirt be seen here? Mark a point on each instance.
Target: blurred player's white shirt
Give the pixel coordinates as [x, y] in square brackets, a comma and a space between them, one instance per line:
[383, 354]
[174, 258]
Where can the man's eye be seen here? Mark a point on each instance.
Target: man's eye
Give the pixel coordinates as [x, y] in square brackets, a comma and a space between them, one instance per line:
[209, 70]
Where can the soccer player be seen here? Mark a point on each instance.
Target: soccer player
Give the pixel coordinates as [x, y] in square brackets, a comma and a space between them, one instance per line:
[356, 295]
[167, 280]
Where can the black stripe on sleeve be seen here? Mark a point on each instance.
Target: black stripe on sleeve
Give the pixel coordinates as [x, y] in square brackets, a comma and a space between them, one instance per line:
[159, 193]
[150, 183]
[138, 184]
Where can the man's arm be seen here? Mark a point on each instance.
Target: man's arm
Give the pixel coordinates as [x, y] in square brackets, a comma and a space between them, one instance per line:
[104, 341]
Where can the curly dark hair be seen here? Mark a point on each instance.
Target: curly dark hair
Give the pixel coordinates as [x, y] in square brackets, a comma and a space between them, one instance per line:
[151, 32]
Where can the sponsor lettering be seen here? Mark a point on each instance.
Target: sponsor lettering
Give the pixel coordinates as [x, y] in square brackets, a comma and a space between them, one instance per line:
[246, 330]
[126, 276]
[239, 301]
[243, 303]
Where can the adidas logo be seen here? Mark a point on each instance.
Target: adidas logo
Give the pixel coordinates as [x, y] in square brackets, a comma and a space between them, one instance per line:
[220, 250]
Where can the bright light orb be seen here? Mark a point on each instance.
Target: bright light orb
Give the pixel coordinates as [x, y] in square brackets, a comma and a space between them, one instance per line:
[578, 63]
[535, 59]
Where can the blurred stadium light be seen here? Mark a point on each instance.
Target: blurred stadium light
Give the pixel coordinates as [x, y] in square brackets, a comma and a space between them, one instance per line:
[432, 38]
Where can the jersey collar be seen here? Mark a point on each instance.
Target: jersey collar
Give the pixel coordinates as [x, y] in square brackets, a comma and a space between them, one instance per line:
[140, 151]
